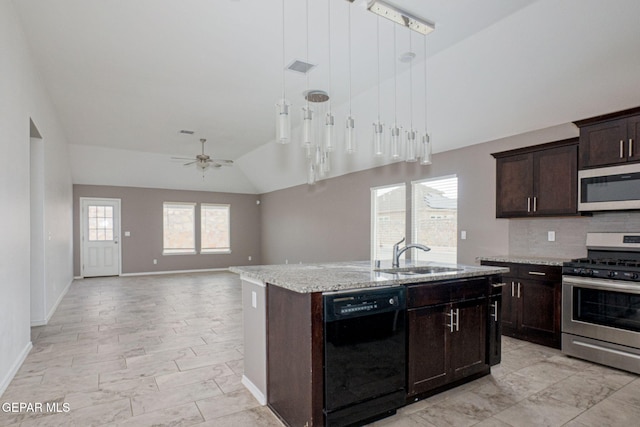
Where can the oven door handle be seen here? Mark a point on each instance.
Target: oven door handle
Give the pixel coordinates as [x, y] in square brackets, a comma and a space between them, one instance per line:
[601, 284]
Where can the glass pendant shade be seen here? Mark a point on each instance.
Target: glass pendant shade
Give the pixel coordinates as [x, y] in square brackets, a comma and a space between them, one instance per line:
[425, 158]
[350, 135]
[395, 142]
[283, 122]
[412, 146]
[329, 132]
[307, 126]
[311, 173]
[326, 163]
[378, 139]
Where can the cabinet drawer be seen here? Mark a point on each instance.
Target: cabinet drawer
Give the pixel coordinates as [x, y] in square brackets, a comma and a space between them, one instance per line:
[541, 272]
[424, 294]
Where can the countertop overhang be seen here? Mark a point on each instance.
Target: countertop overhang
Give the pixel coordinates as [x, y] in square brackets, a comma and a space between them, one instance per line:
[337, 276]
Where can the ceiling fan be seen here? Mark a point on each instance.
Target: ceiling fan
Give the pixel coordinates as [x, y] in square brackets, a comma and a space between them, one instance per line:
[203, 161]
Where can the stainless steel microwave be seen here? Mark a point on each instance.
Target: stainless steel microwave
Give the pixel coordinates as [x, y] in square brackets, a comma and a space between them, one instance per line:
[610, 188]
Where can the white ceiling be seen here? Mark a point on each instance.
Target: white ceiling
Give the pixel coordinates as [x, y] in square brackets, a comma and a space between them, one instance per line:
[126, 76]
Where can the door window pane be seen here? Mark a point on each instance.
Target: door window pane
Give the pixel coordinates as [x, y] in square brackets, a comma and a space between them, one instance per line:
[100, 223]
[435, 218]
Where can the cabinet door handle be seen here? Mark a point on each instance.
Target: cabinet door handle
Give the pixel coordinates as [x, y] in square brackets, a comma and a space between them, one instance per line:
[537, 273]
[622, 149]
[450, 324]
[535, 203]
[518, 289]
[630, 147]
[457, 319]
[498, 285]
[528, 204]
[494, 306]
[513, 294]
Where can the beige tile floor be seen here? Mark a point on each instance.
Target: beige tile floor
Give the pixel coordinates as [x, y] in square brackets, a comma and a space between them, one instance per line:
[167, 351]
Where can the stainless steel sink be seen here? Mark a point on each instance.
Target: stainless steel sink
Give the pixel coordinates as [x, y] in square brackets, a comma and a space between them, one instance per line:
[418, 270]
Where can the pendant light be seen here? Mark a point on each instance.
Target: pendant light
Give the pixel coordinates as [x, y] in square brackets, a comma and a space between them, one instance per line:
[307, 111]
[425, 149]
[329, 121]
[412, 142]
[283, 118]
[350, 131]
[378, 127]
[395, 133]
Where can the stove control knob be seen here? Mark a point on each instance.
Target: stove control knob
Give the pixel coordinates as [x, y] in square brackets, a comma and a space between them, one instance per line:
[392, 301]
[587, 272]
[612, 274]
[634, 276]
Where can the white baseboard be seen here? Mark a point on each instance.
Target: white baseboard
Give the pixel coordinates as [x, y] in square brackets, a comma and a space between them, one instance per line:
[260, 397]
[45, 321]
[151, 273]
[14, 368]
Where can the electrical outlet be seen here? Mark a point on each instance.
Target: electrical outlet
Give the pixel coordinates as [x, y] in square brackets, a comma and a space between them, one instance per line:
[254, 299]
[463, 235]
[551, 236]
[249, 257]
[155, 261]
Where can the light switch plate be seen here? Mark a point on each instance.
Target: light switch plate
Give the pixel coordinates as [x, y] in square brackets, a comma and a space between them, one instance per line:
[254, 299]
[463, 235]
[551, 236]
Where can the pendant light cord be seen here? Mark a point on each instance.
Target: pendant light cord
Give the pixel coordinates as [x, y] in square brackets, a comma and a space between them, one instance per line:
[426, 128]
[283, 56]
[329, 32]
[410, 84]
[378, 45]
[349, 37]
[307, 13]
[395, 81]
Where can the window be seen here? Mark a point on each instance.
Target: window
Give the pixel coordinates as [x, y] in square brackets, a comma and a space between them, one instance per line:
[100, 223]
[179, 235]
[214, 228]
[388, 222]
[435, 218]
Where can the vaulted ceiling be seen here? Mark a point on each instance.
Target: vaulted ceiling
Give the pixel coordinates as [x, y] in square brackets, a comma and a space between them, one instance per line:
[126, 76]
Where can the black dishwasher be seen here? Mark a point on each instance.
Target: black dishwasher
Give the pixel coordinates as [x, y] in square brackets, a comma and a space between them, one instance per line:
[364, 355]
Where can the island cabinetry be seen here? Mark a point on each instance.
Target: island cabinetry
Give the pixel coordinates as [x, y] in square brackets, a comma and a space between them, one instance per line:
[531, 302]
[447, 327]
[294, 356]
[537, 181]
[610, 140]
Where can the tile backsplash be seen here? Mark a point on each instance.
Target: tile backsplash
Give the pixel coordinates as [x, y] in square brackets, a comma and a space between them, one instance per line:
[530, 236]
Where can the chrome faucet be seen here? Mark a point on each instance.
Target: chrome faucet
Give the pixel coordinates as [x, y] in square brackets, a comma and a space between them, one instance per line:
[397, 251]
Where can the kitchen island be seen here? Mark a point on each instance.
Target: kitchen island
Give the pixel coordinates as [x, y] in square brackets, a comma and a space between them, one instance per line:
[450, 312]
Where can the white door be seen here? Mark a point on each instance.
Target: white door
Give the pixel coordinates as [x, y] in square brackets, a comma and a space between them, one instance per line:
[100, 237]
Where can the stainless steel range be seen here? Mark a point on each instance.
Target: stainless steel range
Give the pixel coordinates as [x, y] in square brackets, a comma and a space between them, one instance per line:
[601, 302]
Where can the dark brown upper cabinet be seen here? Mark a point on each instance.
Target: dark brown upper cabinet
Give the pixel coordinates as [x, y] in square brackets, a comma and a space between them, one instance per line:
[538, 181]
[610, 140]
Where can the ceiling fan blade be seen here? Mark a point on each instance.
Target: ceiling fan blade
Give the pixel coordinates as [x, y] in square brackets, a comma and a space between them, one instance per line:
[223, 161]
[190, 163]
[182, 158]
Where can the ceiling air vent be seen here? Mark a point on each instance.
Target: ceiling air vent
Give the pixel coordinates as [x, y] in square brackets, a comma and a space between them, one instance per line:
[300, 66]
[186, 132]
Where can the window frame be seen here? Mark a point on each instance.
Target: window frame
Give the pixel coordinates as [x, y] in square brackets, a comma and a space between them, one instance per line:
[414, 216]
[226, 250]
[175, 251]
[372, 210]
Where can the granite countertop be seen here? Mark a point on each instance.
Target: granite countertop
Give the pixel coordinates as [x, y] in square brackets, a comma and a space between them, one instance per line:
[307, 278]
[516, 259]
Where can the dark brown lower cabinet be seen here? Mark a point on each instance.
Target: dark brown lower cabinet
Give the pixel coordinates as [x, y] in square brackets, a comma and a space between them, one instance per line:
[447, 342]
[531, 302]
[294, 356]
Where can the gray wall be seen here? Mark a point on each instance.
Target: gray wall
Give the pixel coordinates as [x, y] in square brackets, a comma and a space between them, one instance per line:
[141, 214]
[330, 221]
